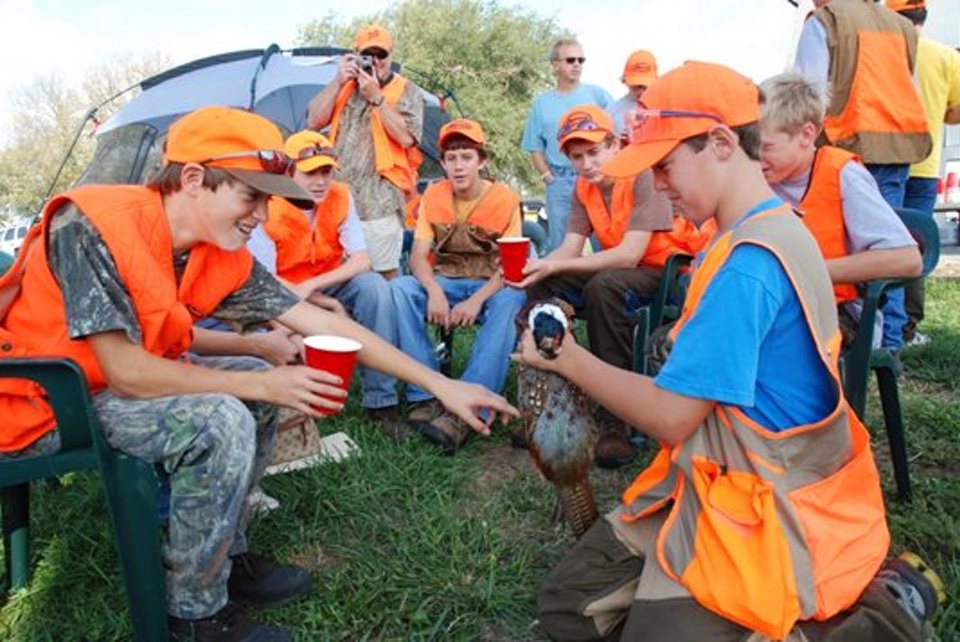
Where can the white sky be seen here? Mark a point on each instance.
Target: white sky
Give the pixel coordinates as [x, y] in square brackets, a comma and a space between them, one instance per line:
[67, 37]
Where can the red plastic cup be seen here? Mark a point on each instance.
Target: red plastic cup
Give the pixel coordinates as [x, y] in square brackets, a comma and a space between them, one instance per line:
[513, 256]
[951, 193]
[336, 355]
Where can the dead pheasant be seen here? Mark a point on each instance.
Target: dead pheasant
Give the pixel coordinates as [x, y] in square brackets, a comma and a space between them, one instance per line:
[556, 420]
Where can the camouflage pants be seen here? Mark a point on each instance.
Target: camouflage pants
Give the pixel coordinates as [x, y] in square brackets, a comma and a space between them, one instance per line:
[212, 449]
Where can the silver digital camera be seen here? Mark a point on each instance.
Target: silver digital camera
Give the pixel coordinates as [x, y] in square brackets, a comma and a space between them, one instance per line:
[364, 62]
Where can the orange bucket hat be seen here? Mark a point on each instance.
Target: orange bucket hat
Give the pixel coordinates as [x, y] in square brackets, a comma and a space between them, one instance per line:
[470, 129]
[641, 69]
[584, 122]
[246, 146]
[310, 151]
[681, 104]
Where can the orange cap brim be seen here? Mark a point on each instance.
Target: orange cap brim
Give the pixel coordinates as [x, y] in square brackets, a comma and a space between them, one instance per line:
[633, 80]
[589, 135]
[636, 158]
[275, 184]
[313, 163]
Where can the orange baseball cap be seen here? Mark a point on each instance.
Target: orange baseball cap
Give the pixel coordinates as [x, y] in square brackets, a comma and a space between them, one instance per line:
[373, 36]
[584, 122]
[681, 104]
[310, 150]
[641, 69]
[462, 127]
[905, 5]
[246, 146]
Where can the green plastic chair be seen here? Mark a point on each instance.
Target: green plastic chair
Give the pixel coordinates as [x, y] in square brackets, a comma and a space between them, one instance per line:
[130, 483]
[861, 357]
[664, 308]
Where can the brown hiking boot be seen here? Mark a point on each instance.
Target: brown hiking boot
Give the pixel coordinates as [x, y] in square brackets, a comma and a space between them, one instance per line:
[423, 412]
[391, 422]
[230, 624]
[446, 431]
[613, 448]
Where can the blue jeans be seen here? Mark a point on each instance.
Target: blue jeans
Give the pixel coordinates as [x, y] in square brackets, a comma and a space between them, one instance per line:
[490, 357]
[892, 181]
[368, 299]
[921, 194]
[559, 195]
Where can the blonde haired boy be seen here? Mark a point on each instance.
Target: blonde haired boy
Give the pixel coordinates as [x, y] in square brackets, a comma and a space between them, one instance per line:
[859, 234]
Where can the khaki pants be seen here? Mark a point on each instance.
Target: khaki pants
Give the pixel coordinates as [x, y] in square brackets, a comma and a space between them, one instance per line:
[604, 590]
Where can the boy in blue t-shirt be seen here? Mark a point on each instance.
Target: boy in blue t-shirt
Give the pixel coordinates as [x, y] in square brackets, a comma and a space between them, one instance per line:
[750, 413]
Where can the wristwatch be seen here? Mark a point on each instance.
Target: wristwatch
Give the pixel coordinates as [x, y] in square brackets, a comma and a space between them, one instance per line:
[378, 102]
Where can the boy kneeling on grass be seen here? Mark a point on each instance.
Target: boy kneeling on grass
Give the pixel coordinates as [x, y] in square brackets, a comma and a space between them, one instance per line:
[763, 510]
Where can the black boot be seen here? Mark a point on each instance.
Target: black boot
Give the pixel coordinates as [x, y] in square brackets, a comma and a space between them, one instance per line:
[230, 624]
[260, 582]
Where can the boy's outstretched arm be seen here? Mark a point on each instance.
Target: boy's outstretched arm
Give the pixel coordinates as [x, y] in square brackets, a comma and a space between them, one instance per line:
[461, 398]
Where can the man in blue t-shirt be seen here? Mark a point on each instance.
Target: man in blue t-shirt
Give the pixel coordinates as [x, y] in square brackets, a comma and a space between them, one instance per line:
[540, 134]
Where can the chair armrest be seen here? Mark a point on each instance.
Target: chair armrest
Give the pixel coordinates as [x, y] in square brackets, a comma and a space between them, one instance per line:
[67, 394]
[669, 285]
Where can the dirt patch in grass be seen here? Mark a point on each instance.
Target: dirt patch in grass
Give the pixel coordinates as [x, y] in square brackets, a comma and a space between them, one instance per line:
[948, 268]
[313, 558]
[500, 464]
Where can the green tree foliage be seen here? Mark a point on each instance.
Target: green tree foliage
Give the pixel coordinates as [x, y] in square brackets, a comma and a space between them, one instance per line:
[492, 57]
[47, 114]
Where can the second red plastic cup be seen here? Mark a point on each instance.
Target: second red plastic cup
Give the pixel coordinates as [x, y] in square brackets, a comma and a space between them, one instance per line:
[513, 256]
[336, 355]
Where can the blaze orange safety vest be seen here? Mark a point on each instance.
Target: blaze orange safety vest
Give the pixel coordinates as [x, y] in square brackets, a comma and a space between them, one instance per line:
[822, 208]
[611, 228]
[305, 251]
[134, 227]
[767, 528]
[410, 212]
[394, 162]
[468, 248]
[875, 110]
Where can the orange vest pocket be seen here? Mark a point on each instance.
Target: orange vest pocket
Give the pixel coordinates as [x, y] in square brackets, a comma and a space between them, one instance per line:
[741, 565]
[843, 521]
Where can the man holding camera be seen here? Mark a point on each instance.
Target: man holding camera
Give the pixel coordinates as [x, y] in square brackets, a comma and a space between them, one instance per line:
[376, 120]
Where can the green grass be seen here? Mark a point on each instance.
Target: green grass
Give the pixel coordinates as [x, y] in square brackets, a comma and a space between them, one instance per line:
[405, 544]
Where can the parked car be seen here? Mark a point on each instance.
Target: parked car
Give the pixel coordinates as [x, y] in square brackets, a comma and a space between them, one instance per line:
[12, 235]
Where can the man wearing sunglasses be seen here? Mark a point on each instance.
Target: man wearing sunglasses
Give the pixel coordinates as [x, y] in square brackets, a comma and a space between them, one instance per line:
[114, 277]
[540, 134]
[320, 252]
[375, 117]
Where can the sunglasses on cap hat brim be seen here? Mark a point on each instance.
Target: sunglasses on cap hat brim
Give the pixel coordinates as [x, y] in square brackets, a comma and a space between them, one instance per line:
[653, 135]
[272, 161]
[272, 178]
[582, 124]
[648, 125]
